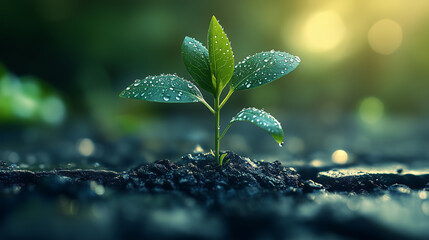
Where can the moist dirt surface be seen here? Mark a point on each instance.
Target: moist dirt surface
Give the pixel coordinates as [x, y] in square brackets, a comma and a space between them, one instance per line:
[195, 198]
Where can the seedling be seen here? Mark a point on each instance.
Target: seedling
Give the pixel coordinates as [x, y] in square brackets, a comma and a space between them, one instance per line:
[213, 70]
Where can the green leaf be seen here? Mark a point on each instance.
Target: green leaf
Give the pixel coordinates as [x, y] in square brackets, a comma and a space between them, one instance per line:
[221, 158]
[166, 88]
[262, 68]
[263, 120]
[220, 53]
[196, 59]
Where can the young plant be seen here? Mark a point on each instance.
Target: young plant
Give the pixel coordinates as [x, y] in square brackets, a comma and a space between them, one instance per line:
[213, 70]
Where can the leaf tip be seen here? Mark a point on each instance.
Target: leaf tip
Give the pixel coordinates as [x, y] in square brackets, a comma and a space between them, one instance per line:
[187, 38]
[279, 139]
[122, 94]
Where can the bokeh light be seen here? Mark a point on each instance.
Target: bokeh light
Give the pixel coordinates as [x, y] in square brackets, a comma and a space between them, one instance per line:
[385, 36]
[316, 163]
[52, 110]
[323, 31]
[340, 157]
[86, 147]
[371, 110]
[29, 100]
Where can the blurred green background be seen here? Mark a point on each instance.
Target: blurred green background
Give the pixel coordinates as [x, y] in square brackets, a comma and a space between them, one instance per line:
[69, 59]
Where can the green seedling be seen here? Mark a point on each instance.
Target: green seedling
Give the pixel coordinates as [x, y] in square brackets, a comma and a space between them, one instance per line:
[213, 70]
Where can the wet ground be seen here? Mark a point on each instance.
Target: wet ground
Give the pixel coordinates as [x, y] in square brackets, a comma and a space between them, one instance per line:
[76, 185]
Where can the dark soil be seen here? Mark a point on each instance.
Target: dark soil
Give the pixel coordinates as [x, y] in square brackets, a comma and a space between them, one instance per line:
[195, 175]
[201, 177]
[194, 198]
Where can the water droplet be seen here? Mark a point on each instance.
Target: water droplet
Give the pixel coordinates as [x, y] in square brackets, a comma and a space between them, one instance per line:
[189, 86]
[166, 98]
[248, 85]
[298, 59]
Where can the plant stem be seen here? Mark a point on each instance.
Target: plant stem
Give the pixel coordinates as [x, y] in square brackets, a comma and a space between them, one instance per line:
[217, 126]
[207, 105]
[227, 97]
[224, 131]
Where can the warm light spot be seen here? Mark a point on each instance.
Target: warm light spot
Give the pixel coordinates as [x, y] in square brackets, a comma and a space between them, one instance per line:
[198, 149]
[423, 195]
[385, 197]
[371, 110]
[340, 157]
[385, 36]
[86, 147]
[323, 31]
[316, 163]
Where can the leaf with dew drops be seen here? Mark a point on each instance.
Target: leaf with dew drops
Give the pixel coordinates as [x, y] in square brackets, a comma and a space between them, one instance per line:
[196, 59]
[165, 88]
[263, 120]
[262, 68]
[220, 54]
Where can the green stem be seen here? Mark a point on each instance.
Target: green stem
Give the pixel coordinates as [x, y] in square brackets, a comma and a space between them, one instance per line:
[227, 97]
[207, 105]
[224, 131]
[217, 126]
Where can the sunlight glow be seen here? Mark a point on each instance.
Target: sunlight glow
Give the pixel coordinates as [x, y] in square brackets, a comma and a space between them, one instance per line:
[323, 31]
[385, 36]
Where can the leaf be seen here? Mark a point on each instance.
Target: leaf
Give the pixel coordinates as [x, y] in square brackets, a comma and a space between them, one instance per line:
[166, 88]
[220, 54]
[262, 68]
[263, 120]
[222, 158]
[196, 59]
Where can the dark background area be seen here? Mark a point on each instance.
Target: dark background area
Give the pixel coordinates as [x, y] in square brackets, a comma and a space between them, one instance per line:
[355, 114]
[65, 62]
